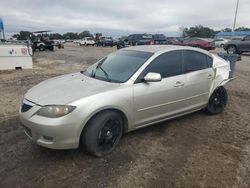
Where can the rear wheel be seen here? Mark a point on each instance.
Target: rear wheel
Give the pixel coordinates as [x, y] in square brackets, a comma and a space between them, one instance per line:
[231, 50]
[102, 133]
[217, 101]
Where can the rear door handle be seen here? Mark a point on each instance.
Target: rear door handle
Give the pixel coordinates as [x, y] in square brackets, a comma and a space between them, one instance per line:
[178, 84]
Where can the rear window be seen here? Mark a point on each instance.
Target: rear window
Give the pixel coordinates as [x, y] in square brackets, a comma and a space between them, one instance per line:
[146, 36]
[194, 61]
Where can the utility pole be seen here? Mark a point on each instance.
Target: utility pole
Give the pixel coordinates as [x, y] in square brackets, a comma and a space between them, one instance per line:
[236, 12]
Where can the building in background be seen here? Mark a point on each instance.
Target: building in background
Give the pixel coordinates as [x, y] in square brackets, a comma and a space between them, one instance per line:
[232, 35]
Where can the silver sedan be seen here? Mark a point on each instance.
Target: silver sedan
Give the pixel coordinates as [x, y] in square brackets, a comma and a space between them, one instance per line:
[126, 90]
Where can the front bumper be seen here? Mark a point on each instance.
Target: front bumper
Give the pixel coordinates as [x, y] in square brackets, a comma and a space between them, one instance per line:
[54, 133]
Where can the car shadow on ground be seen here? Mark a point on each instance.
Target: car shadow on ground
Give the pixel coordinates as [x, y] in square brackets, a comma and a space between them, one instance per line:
[12, 134]
[17, 152]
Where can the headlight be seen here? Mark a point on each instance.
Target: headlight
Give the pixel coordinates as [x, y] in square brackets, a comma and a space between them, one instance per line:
[55, 111]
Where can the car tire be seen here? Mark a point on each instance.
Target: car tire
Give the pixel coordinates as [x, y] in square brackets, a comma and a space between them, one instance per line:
[231, 49]
[217, 101]
[103, 45]
[222, 45]
[102, 133]
[41, 48]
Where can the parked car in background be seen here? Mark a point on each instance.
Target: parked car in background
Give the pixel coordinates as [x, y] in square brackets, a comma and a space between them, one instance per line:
[220, 42]
[71, 40]
[76, 41]
[206, 44]
[160, 39]
[58, 43]
[238, 46]
[142, 39]
[106, 41]
[87, 41]
[136, 39]
[124, 91]
[173, 40]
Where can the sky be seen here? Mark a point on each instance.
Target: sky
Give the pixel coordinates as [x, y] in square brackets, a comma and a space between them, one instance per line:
[121, 17]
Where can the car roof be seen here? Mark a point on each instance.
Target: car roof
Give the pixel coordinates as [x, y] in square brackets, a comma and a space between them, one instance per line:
[164, 48]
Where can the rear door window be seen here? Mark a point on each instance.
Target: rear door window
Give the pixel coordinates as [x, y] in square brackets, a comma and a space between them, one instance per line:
[194, 61]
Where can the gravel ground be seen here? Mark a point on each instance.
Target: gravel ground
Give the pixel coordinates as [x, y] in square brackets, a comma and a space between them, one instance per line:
[196, 150]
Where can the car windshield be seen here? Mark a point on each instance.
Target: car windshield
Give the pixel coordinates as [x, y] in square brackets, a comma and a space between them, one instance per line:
[119, 66]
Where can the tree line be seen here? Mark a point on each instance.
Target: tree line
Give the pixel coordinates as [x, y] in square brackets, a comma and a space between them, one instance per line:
[205, 32]
[196, 31]
[25, 35]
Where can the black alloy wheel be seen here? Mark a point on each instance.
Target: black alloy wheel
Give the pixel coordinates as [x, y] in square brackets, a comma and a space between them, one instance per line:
[103, 132]
[109, 135]
[217, 101]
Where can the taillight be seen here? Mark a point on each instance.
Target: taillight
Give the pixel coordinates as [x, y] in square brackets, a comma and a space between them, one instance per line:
[152, 42]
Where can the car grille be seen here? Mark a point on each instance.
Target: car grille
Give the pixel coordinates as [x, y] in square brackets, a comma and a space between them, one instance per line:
[25, 107]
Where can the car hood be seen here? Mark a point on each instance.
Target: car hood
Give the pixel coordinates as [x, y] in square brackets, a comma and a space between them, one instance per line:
[64, 89]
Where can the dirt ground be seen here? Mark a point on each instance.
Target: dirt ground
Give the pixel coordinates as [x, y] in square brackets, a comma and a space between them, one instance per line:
[196, 150]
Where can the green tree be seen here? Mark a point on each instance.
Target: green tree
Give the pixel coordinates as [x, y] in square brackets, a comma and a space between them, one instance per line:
[199, 31]
[55, 36]
[227, 30]
[242, 29]
[183, 31]
[23, 35]
[85, 34]
[70, 35]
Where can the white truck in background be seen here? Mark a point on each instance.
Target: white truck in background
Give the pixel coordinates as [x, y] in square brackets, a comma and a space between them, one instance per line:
[87, 41]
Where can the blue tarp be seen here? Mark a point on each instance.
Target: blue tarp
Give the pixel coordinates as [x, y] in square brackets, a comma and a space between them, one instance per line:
[1, 24]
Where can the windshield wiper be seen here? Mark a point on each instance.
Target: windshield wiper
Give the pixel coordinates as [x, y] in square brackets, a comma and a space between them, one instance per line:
[93, 73]
[105, 73]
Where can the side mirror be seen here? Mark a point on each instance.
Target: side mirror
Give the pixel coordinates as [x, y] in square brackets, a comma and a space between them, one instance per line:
[152, 77]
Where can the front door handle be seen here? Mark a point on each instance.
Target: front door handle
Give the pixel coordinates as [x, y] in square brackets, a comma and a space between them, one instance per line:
[178, 84]
[210, 76]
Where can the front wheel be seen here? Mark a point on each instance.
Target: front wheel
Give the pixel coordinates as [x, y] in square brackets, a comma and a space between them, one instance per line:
[102, 133]
[41, 48]
[217, 101]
